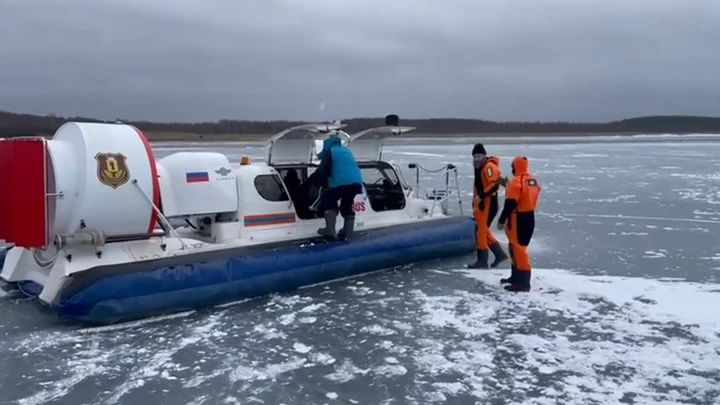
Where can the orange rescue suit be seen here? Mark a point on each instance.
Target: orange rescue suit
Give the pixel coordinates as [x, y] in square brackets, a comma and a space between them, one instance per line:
[518, 215]
[485, 201]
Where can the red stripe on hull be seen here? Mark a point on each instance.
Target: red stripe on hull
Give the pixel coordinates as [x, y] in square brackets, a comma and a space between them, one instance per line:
[155, 181]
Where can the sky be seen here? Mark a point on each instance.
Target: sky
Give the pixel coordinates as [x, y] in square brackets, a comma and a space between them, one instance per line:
[197, 60]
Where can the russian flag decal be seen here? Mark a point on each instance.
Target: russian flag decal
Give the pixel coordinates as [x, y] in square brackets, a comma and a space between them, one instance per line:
[196, 177]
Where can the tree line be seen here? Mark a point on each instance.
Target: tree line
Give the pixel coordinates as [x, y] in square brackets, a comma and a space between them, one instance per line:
[14, 124]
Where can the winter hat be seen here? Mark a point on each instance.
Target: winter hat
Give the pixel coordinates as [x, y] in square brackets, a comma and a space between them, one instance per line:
[479, 148]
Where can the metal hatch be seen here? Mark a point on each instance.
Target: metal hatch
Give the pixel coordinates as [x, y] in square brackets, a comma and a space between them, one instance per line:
[367, 145]
[296, 145]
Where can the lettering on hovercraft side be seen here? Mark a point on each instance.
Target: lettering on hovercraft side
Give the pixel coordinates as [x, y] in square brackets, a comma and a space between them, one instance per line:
[358, 206]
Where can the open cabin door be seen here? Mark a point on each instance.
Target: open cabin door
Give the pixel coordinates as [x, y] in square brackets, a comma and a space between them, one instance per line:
[367, 145]
[296, 145]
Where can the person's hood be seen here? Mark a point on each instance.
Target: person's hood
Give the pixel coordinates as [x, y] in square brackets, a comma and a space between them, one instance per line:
[329, 143]
[520, 165]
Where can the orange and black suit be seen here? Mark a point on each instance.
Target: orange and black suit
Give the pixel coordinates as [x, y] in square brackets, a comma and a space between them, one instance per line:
[518, 215]
[485, 207]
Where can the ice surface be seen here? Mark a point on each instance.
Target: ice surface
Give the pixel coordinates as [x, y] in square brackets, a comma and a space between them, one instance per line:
[601, 338]
[573, 339]
[439, 335]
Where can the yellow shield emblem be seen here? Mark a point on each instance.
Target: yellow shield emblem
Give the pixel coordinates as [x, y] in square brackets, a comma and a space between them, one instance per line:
[112, 169]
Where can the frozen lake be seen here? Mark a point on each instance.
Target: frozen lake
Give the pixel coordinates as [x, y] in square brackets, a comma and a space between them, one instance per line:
[624, 307]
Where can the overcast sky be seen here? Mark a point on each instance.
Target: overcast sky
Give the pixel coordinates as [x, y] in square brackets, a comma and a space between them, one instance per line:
[188, 60]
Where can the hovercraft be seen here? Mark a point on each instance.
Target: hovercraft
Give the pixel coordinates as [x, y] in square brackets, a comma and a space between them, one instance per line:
[102, 232]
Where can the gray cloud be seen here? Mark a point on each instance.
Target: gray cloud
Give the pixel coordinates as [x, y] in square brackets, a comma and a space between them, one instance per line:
[271, 59]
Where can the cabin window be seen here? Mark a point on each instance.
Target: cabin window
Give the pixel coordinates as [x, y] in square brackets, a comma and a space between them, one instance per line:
[383, 187]
[293, 176]
[270, 187]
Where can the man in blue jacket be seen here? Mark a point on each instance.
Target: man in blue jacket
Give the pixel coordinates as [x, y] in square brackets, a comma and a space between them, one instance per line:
[344, 181]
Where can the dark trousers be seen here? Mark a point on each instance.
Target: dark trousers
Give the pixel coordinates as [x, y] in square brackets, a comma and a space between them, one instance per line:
[346, 194]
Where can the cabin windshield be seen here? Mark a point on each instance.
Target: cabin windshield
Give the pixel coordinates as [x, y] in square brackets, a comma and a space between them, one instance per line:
[383, 187]
[384, 190]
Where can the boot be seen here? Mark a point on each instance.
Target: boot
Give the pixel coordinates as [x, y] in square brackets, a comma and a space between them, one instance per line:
[348, 226]
[522, 282]
[482, 260]
[329, 230]
[512, 278]
[499, 254]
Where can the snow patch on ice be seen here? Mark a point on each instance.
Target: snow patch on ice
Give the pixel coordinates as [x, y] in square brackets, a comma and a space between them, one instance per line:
[710, 213]
[301, 348]
[601, 339]
[716, 257]
[618, 198]
[708, 195]
[696, 176]
[345, 372]
[307, 319]
[267, 372]
[377, 330]
[658, 254]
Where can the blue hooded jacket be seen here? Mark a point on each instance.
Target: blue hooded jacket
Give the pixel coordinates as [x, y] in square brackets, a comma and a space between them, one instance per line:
[338, 164]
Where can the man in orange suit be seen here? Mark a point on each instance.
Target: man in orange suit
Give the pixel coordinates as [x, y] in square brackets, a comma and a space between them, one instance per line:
[518, 219]
[485, 207]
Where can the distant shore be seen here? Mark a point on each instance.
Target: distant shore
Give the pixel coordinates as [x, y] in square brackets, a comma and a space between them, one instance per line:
[154, 136]
[190, 137]
[14, 124]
